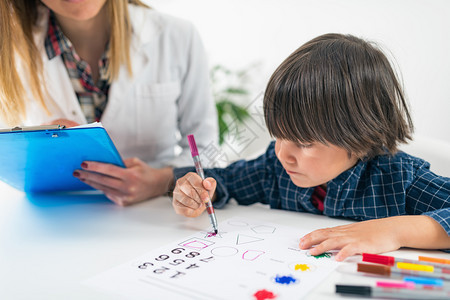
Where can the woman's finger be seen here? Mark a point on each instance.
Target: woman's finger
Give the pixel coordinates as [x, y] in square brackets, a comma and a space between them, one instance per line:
[105, 169]
[104, 180]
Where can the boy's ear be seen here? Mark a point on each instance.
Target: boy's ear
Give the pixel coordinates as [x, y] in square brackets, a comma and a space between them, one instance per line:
[358, 156]
[362, 156]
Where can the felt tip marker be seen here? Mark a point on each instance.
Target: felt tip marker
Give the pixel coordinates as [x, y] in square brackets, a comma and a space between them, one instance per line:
[408, 264]
[398, 285]
[417, 280]
[391, 261]
[434, 260]
[405, 270]
[199, 169]
[390, 293]
[412, 285]
[427, 282]
[444, 272]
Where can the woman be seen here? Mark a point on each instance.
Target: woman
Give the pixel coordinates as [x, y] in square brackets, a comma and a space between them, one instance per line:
[141, 73]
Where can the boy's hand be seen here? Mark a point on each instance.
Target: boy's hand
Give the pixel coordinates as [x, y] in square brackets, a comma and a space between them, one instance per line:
[378, 236]
[191, 193]
[374, 236]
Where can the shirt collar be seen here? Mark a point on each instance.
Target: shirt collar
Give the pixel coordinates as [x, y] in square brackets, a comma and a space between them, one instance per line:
[351, 175]
[56, 42]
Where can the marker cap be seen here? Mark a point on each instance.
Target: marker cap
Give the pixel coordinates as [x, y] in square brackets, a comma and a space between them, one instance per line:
[353, 290]
[425, 280]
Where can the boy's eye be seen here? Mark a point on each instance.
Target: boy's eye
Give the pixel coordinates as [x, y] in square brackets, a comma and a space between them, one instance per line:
[299, 145]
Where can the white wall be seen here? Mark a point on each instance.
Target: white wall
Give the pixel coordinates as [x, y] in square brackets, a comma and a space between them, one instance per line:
[238, 33]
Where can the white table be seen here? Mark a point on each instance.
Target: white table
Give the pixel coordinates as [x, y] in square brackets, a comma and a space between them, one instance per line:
[50, 243]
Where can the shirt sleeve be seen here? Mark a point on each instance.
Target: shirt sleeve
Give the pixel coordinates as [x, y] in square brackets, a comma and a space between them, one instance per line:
[429, 194]
[197, 113]
[247, 182]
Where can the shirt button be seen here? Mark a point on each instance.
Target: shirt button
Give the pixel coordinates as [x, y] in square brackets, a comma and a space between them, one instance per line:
[74, 113]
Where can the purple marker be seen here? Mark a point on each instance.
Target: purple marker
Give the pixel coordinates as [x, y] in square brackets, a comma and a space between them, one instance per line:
[199, 169]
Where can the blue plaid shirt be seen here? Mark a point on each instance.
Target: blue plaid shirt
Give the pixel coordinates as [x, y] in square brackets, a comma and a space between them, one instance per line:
[383, 187]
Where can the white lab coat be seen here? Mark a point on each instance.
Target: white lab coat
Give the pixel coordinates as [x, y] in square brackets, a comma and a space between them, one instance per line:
[149, 115]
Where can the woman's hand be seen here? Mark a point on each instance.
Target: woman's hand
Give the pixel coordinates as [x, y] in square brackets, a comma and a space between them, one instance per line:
[125, 186]
[65, 122]
[190, 194]
[378, 236]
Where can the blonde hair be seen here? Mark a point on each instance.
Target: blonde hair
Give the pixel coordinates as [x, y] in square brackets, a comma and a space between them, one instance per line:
[17, 21]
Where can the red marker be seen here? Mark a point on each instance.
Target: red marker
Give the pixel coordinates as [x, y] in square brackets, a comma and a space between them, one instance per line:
[391, 261]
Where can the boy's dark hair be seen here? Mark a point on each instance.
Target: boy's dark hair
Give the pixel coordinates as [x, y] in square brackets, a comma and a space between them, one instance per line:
[342, 90]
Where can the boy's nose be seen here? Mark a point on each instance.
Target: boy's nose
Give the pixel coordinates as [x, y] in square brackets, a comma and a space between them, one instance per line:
[284, 153]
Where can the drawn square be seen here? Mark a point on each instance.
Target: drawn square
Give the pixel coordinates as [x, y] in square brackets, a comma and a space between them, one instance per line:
[196, 244]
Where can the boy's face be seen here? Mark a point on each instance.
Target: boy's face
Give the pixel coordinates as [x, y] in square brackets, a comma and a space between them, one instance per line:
[313, 164]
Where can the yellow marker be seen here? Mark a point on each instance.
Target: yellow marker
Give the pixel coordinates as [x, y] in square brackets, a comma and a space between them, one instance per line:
[415, 267]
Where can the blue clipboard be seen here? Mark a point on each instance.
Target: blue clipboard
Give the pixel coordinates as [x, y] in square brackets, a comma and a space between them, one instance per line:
[42, 160]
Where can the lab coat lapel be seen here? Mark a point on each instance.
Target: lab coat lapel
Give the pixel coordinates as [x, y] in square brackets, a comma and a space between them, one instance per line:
[61, 94]
[144, 31]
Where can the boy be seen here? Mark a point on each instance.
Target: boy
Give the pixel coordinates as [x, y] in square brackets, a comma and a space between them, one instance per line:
[338, 113]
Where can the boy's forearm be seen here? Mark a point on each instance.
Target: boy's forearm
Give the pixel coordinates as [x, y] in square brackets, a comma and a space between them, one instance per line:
[421, 232]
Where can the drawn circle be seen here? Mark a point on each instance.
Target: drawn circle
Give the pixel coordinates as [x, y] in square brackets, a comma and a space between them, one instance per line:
[301, 267]
[224, 251]
[263, 229]
[237, 223]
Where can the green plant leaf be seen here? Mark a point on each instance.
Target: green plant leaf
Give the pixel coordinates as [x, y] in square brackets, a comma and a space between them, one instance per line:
[223, 130]
[224, 95]
[240, 113]
[236, 90]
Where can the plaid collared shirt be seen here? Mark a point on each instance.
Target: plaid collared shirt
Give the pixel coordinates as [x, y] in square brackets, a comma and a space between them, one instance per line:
[382, 187]
[92, 97]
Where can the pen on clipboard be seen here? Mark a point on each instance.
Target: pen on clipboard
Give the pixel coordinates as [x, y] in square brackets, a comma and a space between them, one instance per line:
[199, 169]
[33, 128]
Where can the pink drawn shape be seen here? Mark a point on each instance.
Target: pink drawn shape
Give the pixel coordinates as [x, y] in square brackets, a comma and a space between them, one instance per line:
[196, 245]
[252, 254]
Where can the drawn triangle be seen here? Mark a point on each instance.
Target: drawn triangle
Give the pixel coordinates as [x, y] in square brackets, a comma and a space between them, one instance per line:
[245, 239]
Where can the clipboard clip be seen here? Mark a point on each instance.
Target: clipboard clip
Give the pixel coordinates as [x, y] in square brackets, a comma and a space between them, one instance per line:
[33, 128]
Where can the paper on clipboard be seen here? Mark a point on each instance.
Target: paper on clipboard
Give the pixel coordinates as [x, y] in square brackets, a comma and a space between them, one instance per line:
[42, 159]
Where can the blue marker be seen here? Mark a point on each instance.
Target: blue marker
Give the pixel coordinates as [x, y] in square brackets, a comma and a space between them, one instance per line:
[425, 281]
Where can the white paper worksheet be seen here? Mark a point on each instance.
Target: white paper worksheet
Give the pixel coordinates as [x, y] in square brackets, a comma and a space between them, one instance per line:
[246, 260]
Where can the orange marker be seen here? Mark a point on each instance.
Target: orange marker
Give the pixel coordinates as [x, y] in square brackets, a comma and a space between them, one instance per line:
[435, 260]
